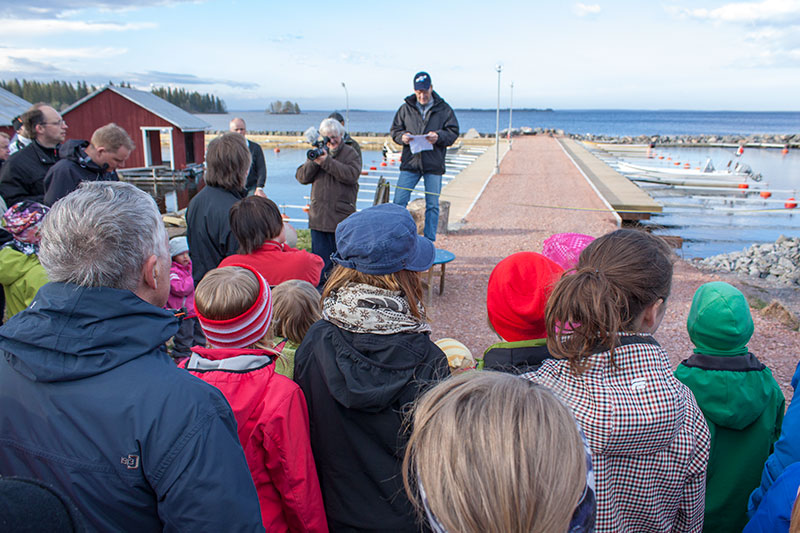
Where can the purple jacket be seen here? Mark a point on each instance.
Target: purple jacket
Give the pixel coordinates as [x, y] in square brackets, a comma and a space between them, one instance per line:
[181, 288]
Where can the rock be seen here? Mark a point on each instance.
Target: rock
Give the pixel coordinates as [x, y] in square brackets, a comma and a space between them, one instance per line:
[417, 209]
[472, 133]
[779, 312]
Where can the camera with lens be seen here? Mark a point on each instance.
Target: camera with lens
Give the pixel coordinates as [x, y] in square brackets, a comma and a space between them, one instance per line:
[319, 149]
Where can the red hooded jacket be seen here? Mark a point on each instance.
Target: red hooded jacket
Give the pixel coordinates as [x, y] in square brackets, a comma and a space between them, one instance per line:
[272, 419]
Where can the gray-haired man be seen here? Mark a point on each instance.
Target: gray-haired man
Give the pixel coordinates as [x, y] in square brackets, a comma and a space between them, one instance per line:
[91, 403]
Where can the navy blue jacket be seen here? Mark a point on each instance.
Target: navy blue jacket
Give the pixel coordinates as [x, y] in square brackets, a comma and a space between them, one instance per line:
[209, 229]
[73, 168]
[91, 403]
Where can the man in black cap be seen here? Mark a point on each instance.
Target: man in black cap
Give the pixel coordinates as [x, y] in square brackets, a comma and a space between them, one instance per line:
[349, 141]
[423, 113]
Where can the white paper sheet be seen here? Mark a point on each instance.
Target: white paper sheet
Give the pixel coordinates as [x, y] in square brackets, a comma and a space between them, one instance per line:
[419, 144]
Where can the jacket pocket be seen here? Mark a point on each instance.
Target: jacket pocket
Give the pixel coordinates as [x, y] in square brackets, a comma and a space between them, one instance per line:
[344, 207]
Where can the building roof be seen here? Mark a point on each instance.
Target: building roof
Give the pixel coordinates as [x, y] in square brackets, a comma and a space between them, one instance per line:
[11, 105]
[156, 105]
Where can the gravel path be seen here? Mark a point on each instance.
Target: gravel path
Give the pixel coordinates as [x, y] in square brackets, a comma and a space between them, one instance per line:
[510, 217]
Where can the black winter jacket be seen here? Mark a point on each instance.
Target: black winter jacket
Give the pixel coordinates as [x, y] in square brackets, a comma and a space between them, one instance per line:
[257, 176]
[23, 174]
[73, 168]
[208, 229]
[91, 403]
[440, 119]
[358, 387]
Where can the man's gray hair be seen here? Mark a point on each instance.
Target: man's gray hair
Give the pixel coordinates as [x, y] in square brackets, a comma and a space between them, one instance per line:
[330, 127]
[100, 236]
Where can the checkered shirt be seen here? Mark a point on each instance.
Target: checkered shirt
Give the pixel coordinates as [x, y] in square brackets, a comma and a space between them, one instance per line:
[649, 440]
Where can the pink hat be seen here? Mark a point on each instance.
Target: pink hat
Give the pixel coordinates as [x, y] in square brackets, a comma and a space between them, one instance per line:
[565, 248]
[243, 330]
[517, 293]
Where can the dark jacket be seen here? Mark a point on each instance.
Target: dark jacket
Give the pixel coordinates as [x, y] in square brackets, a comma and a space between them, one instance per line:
[358, 387]
[73, 168]
[108, 419]
[352, 143]
[334, 188]
[440, 119]
[208, 229]
[516, 357]
[23, 174]
[257, 176]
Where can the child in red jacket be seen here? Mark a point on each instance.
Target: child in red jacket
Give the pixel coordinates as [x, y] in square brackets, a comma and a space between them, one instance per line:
[234, 306]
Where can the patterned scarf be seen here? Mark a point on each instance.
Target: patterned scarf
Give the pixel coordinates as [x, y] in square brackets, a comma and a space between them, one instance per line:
[361, 308]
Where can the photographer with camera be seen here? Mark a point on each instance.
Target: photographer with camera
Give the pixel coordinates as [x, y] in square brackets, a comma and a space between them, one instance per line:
[332, 169]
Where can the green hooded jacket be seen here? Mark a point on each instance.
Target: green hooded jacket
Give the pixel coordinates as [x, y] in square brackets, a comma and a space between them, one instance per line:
[740, 399]
[21, 276]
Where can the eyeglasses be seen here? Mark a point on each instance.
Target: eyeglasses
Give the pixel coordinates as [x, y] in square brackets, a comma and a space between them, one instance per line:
[59, 123]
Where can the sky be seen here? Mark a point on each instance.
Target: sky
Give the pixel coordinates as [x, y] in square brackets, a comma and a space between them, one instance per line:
[672, 54]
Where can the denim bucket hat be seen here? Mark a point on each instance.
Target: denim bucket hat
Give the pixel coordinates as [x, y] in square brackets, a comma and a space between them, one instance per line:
[382, 240]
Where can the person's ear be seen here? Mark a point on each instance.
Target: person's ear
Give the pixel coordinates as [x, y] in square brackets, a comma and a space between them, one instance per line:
[150, 272]
[651, 314]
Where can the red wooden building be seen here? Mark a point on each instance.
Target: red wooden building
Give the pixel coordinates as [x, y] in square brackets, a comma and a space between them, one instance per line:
[147, 118]
[11, 106]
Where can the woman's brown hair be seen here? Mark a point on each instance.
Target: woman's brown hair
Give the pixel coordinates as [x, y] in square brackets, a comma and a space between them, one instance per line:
[296, 308]
[255, 219]
[405, 281]
[227, 162]
[618, 275]
[494, 454]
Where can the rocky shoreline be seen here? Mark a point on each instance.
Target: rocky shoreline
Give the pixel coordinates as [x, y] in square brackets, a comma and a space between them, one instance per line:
[759, 140]
[776, 262]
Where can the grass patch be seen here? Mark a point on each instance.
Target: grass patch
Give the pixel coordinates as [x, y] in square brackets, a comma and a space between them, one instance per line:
[756, 303]
[304, 240]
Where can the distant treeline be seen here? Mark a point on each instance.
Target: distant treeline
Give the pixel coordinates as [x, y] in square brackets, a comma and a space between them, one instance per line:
[284, 108]
[535, 109]
[61, 94]
[193, 102]
[58, 94]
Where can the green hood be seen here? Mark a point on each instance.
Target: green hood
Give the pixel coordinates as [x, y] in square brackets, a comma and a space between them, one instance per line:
[719, 321]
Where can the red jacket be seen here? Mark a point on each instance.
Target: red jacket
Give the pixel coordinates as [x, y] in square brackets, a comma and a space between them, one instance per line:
[278, 262]
[272, 420]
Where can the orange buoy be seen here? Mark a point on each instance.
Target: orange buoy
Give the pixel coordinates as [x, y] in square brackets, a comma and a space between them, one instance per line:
[677, 163]
[307, 208]
[277, 150]
[687, 165]
[785, 150]
[661, 157]
[383, 164]
[740, 151]
[393, 161]
[364, 172]
[373, 168]
[669, 159]
[790, 203]
[765, 194]
[744, 186]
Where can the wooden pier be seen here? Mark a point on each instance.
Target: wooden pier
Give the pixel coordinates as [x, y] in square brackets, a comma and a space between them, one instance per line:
[627, 199]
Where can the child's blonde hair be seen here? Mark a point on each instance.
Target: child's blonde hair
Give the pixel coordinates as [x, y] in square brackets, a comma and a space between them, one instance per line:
[296, 307]
[495, 453]
[226, 293]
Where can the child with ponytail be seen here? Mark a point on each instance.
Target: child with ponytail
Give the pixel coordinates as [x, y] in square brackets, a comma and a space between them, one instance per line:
[649, 440]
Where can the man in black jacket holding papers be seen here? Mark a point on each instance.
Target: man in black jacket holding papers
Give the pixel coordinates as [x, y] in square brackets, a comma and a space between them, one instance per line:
[425, 125]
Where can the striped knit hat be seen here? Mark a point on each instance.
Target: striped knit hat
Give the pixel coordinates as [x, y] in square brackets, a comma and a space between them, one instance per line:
[243, 330]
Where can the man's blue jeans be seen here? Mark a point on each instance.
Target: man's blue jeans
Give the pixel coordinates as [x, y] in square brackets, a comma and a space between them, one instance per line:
[433, 186]
[323, 243]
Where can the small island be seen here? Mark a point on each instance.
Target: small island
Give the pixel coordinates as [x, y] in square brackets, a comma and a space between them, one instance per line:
[283, 108]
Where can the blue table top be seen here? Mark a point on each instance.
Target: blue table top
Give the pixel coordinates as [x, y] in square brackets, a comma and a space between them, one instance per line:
[443, 256]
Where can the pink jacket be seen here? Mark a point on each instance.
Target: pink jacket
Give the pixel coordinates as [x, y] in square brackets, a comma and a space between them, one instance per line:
[272, 420]
[181, 288]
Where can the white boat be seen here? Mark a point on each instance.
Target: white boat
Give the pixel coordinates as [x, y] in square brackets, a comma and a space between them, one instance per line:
[738, 173]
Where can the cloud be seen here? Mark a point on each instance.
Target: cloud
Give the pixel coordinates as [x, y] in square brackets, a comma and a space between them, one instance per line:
[289, 37]
[583, 10]
[61, 8]
[60, 53]
[774, 12]
[27, 27]
[177, 78]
